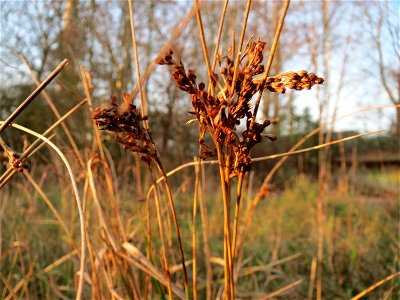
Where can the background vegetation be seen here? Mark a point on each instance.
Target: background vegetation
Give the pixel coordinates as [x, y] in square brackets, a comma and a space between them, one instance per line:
[343, 200]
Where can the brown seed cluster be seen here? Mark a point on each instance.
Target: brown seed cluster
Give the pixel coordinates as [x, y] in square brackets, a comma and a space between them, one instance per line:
[14, 160]
[126, 122]
[297, 80]
[221, 114]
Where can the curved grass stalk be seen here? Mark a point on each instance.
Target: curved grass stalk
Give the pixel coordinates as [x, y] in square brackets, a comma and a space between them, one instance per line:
[268, 157]
[258, 196]
[77, 198]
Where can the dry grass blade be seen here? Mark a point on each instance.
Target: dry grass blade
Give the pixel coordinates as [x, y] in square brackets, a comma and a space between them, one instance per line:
[7, 286]
[374, 286]
[19, 285]
[316, 147]
[282, 290]
[34, 94]
[141, 262]
[256, 159]
[194, 232]
[85, 78]
[250, 270]
[59, 261]
[221, 25]
[163, 248]
[77, 198]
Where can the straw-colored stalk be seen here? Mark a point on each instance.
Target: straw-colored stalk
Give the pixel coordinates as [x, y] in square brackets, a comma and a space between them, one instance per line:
[77, 198]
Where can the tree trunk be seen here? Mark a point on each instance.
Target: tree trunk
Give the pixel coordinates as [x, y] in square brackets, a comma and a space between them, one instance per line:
[397, 122]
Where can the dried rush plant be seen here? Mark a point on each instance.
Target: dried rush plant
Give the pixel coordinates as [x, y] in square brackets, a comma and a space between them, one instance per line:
[218, 115]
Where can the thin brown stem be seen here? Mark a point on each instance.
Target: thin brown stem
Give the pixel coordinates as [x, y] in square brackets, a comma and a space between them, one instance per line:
[85, 83]
[56, 113]
[34, 94]
[143, 104]
[175, 34]
[194, 233]
[203, 42]
[227, 237]
[163, 249]
[374, 286]
[270, 58]
[237, 207]
[221, 25]
[237, 61]
[175, 218]
[204, 223]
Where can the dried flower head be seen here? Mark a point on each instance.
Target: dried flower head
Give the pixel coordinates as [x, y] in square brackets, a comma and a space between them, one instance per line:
[126, 122]
[14, 160]
[297, 80]
[220, 115]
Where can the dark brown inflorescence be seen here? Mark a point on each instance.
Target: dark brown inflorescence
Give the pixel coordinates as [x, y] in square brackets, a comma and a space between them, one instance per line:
[221, 114]
[14, 160]
[126, 122]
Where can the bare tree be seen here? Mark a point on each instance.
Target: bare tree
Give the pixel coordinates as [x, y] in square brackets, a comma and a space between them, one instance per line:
[383, 29]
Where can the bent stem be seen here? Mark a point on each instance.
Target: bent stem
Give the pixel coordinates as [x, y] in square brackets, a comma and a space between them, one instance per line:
[77, 198]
